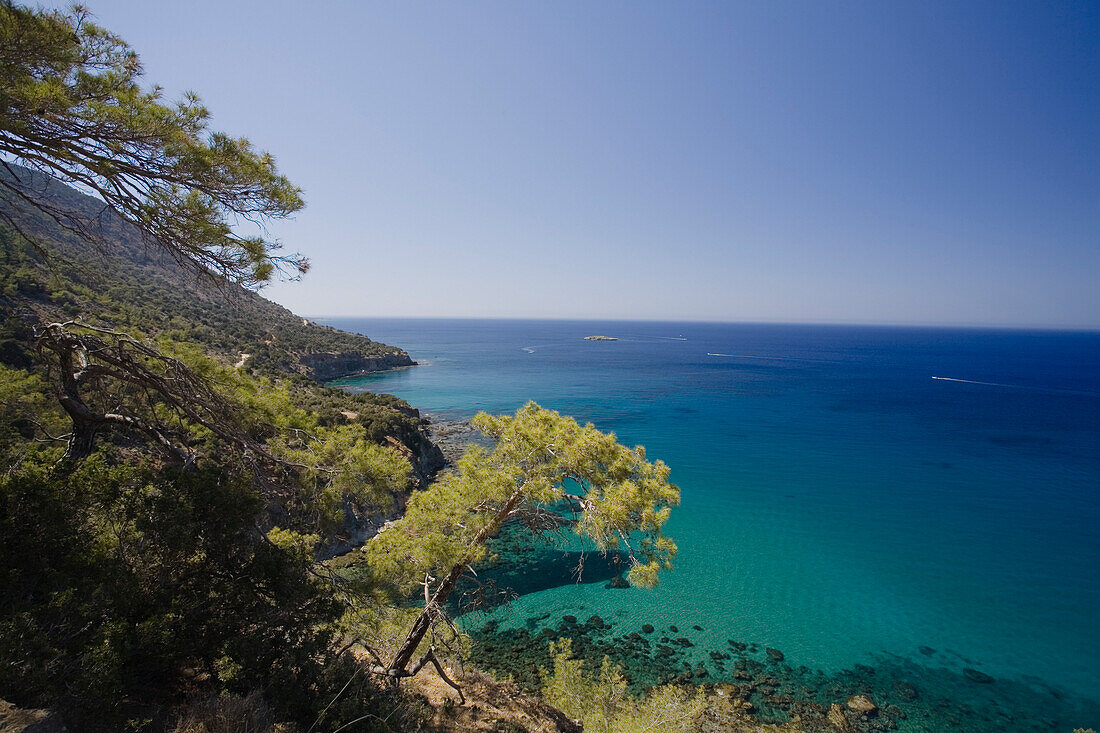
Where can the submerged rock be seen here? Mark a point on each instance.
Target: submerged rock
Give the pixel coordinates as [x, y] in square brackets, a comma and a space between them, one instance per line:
[775, 655]
[975, 676]
[862, 704]
[906, 690]
[618, 582]
[647, 628]
[597, 623]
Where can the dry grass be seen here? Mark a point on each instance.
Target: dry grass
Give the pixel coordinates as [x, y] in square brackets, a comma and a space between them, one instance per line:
[227, 714]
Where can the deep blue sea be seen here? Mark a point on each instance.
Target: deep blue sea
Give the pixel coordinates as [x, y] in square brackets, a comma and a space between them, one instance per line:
[849, 494]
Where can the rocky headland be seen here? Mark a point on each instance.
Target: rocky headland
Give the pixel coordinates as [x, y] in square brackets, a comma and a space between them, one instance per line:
[329, 366]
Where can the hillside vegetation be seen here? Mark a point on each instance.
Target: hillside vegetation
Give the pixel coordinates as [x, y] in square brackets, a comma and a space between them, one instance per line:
[50, 274]
[132, 285]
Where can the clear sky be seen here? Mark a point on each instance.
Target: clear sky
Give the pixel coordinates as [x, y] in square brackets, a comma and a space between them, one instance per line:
[923, 162]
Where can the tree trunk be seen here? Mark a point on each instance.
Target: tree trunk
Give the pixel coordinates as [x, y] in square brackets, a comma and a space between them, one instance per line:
[424, 620]
[81, 442]
[443, 591]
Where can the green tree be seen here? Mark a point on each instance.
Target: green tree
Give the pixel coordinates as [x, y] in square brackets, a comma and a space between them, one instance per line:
[71, 107]
[542, 461]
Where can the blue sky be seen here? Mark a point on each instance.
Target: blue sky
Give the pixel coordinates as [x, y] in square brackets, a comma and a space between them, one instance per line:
[868, 162]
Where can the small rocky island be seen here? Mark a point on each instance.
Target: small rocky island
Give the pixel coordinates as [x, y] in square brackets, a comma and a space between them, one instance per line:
[600, 338]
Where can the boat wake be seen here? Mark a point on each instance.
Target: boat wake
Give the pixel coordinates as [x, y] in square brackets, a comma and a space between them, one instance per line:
[771, 358]
[1019, 386]
[987, 384]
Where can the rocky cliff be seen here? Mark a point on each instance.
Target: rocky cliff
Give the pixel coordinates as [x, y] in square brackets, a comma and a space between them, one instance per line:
[326, 366]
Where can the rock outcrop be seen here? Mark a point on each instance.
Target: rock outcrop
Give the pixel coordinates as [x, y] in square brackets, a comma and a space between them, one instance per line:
[327, 366]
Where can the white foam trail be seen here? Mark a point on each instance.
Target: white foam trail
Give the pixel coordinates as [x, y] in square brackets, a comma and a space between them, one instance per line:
[1021, 386]
[987, 384]
[767, 358]
[529, 349]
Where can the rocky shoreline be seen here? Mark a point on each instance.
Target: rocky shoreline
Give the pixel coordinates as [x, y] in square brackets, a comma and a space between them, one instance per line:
[892, 693]
[452, 437]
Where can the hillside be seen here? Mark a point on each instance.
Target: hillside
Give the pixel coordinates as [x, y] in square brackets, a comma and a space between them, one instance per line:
[122, 281]
[49, 273]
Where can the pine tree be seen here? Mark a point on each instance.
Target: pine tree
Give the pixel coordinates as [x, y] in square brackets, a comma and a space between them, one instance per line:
[71, 107]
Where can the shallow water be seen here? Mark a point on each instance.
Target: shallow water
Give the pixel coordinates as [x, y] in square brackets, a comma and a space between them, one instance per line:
[849, 494]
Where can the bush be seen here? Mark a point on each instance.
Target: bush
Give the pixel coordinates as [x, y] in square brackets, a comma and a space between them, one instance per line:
[600, 699]
[126, 589]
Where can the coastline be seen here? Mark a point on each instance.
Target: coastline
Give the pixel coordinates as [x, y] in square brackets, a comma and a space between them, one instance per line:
[821, 472]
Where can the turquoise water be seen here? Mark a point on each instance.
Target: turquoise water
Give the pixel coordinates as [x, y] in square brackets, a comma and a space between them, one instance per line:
[849, 494]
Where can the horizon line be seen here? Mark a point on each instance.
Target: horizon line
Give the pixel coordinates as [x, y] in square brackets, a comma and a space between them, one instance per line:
[863, 324]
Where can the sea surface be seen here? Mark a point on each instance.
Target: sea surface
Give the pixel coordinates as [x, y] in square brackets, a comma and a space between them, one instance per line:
[849, 494]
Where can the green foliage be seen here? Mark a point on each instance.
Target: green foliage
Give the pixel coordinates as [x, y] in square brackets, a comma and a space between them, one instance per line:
[126, 583]
[128, 287]
[73, 108]
[26, 411]
[129, 586]
[600, 700]
[440, 524]
[541, 459]
[621, 492]
[127, 590]
[336, 466]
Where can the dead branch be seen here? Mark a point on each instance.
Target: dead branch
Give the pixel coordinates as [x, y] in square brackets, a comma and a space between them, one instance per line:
[91, 361]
